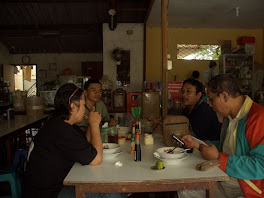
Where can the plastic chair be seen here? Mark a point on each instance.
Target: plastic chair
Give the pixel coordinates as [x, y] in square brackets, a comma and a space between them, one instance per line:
[19, 163]
[8, 174]
[14, 175]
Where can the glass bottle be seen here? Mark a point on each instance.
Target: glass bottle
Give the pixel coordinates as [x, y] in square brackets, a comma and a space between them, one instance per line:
[137, 152]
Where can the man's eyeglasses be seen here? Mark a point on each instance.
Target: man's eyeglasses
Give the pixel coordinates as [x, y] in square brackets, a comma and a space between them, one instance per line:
[72, 95]
[187, 91]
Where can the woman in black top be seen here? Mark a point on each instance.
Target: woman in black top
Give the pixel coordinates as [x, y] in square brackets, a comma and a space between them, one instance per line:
[59, 144]
[203, 120]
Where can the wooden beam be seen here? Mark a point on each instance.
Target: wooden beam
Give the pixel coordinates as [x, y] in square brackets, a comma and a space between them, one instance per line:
[132, 10]
[88, 27]
[52, 1]
[164, 56]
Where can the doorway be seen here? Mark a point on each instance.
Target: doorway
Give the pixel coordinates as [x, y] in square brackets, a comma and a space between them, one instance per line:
[26, 79]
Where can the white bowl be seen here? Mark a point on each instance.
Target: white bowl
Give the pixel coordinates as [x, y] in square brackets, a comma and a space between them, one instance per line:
[110, 147]
[176, 154]
[123, 131]
[171, 160]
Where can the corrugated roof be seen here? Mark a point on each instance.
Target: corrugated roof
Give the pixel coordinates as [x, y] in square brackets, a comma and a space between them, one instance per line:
[41, 26]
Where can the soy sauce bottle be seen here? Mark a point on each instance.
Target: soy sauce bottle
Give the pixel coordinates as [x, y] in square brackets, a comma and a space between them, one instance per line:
[137, 152]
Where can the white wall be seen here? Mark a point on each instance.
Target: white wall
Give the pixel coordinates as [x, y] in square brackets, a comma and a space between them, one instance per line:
[63, 61]
[134, 43]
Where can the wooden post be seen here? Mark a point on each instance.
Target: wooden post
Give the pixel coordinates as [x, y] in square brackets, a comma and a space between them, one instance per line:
[164, 56]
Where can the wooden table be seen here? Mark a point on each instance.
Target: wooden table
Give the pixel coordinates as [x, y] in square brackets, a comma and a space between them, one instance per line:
[19, 122]
[134, 177]
[10, 128]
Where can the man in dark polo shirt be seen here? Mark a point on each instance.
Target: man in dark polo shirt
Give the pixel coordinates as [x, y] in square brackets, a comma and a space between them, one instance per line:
[203, 120]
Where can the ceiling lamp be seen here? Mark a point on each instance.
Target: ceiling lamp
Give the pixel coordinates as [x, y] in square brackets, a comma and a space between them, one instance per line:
[112, 22]
[237, 11]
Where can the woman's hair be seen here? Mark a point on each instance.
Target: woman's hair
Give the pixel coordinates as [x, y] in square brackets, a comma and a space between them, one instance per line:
[224, 82]
[197, 84]
[66, 94]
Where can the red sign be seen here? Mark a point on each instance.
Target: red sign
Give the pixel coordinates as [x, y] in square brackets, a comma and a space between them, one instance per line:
[174, 90]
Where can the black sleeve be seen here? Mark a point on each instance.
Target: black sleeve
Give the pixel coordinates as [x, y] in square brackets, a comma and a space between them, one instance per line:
[204, 123]
[75, 147]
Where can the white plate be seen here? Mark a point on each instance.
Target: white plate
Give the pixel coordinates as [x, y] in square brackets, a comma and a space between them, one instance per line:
[171, 161]
[111, 155]
[111, 147]
[176, 154]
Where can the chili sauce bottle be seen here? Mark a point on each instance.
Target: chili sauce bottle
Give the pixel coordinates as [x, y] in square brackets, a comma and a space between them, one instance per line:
[137, 152]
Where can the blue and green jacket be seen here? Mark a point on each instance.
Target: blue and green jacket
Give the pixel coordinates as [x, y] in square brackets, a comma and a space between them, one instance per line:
[247, 164]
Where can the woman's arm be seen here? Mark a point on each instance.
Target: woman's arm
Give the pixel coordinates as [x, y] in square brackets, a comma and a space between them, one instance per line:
[93, 134]
[88, 134]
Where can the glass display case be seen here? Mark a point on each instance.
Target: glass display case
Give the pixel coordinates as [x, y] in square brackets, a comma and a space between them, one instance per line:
[240, 67]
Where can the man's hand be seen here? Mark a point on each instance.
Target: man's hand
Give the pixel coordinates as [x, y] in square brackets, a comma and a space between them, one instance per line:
[112, 122]
[209, 152]
[94, 117]
[190, 142]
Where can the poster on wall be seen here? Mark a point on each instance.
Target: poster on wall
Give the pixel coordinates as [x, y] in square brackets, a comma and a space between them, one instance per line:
[174, 90]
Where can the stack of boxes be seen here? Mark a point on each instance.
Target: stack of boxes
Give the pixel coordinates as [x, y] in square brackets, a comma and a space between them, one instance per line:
[247, 43]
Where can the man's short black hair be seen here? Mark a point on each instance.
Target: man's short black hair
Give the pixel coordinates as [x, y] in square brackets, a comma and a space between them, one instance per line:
[224, 82]
[197, 84]
[90, 81]
[195, 74]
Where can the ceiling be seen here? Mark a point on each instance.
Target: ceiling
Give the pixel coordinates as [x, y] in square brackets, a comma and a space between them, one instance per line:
[210, 14]
[47, 26]
[61, 26]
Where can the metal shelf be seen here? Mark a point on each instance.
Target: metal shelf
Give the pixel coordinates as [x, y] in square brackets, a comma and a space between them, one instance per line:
[241, 67]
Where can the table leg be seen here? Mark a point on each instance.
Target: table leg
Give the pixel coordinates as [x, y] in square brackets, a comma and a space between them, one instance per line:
[79, 192]
[211, 192]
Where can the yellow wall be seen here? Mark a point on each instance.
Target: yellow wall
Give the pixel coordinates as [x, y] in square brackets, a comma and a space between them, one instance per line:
[183, 68]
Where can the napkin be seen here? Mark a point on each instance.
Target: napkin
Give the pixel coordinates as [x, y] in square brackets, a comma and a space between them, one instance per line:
[105, 125]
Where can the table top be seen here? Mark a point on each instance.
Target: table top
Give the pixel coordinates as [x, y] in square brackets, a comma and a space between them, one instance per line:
[133, 172]
[19, 122]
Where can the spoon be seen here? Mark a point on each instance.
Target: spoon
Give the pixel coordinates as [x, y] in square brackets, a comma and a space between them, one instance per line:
[171, 151]
[181, 151]
[184, 150]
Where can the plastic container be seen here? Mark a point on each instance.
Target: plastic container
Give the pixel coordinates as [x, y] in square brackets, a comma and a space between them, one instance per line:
[35, 106]
[19, 100]
[104, 134]
[108, 134]
[123, 131]
[148, 139]
[112, 135]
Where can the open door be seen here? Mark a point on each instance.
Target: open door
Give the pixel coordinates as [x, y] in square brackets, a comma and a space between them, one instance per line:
[21, 77]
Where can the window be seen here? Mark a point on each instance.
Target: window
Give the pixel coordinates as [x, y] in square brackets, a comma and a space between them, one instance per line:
[198, 52]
